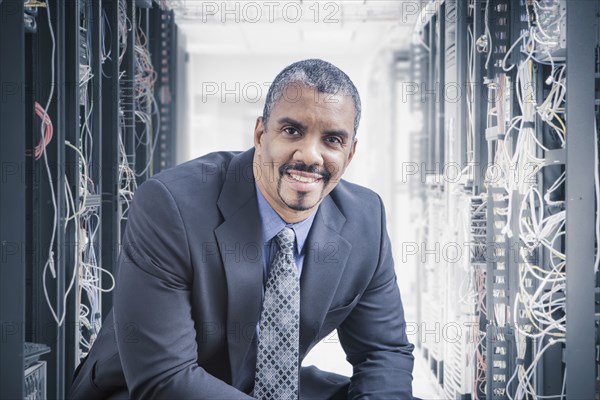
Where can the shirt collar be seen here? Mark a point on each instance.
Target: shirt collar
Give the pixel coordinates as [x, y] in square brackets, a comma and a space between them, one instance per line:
[272, 223]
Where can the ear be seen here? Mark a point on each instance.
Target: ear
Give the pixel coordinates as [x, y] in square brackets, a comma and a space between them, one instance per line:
[259, 130]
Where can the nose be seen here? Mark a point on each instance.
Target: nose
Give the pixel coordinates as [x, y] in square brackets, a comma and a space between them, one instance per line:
[309, 151]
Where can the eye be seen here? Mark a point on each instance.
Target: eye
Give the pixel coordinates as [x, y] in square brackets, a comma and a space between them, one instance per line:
[333, 140]
[290, 130]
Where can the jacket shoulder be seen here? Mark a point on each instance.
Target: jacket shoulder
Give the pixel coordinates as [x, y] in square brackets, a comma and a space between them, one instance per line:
[194, 186]
[363, 210]
[352, 197]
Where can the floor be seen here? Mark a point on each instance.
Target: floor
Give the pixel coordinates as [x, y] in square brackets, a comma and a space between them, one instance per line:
[329, 355]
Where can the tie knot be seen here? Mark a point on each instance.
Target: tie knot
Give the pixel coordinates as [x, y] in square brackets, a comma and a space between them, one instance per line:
[285, 240]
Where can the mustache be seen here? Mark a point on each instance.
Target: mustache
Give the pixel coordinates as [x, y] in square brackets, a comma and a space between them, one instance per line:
[312, 169]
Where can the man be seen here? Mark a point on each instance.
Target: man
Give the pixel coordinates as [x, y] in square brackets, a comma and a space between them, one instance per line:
[234, 265]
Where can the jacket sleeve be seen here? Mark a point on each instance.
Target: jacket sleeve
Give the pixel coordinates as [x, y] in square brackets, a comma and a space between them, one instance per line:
[155, 332]
[374, 335]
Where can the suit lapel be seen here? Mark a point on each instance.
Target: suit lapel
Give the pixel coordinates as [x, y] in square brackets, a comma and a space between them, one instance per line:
[240, 244]
[324, 263]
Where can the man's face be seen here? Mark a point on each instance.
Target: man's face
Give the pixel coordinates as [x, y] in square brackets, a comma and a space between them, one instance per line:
[303, 152]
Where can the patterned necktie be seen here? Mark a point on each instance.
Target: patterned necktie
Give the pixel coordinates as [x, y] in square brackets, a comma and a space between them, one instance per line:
[277, 354]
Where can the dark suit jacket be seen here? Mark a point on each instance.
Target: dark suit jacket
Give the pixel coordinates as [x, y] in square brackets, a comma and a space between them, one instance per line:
[189, 290]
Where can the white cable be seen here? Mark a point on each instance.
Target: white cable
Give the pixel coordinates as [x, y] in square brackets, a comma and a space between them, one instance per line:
[82, 207]
[50, 261]
[156, 134]
[488, 33]
[59, 321]
[520, 39]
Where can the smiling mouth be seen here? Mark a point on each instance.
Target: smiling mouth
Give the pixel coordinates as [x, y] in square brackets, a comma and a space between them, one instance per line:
[304, 177]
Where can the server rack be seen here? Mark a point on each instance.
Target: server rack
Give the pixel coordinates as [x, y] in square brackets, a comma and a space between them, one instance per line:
[12, 198]
[531, 124]
[583, 71]
[109, 87]
[50, 103]
[164, 56]
[70, 122]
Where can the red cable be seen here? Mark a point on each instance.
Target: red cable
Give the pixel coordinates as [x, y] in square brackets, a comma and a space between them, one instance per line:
[48, 130]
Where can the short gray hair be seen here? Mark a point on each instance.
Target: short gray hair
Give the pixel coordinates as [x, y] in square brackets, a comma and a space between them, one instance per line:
[320, 75]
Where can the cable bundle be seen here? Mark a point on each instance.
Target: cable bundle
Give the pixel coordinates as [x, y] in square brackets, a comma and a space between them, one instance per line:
[47, 128]
[539, 306]
[146, 106]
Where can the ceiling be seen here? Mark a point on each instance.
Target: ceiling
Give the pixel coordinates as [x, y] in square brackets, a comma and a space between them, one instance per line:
[350, 27]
